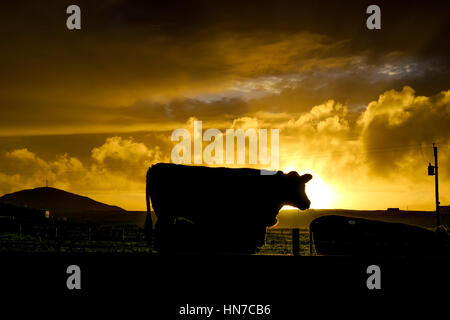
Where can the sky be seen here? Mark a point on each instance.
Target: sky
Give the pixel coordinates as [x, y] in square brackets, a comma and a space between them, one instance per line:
[90, 110]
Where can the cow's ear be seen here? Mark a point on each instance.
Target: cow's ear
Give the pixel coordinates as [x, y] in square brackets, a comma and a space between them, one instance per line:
[293, 174]
[306, 177]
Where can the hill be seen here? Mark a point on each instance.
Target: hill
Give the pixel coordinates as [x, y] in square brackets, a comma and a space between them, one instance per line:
[57, 201]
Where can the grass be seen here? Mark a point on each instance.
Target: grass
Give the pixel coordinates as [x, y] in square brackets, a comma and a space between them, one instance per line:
[127, 235]
[23, 236]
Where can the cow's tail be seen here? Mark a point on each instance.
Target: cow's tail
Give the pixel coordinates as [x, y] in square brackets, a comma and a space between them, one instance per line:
[148, 227]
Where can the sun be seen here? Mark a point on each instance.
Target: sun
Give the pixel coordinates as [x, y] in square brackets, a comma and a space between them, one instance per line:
[318, 191]
[320, 194]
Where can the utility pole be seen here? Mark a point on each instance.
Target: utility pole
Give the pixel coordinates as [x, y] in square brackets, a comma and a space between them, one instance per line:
[436, 181]
[436, 184]
[433, 171]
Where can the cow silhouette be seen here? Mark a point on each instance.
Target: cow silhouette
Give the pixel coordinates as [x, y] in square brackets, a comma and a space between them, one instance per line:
[217, 210]
[338, 235]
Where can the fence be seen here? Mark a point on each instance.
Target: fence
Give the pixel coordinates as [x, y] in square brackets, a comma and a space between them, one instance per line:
[16, 235]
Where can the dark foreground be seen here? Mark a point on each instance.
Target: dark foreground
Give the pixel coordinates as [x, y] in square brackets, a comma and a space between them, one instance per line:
[159, 285]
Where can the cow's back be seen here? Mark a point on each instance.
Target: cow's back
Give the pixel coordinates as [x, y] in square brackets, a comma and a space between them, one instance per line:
[196, 192]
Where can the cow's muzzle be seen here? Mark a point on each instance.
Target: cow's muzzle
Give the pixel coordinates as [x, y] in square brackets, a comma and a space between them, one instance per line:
[304, 205]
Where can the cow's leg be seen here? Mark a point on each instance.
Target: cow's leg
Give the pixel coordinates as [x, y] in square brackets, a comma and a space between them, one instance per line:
[164, 235]
[148, 228]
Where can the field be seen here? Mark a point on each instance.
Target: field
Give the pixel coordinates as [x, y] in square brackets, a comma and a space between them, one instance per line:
[21, 236]
[124, 233]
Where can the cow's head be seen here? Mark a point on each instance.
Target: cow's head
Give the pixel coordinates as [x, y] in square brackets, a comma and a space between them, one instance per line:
[294, 191]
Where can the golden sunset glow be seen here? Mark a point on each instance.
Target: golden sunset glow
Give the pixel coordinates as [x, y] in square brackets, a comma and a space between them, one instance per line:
[89, 111]
[320, 194]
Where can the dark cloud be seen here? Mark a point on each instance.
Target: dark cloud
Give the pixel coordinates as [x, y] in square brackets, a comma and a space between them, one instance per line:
[163, 49]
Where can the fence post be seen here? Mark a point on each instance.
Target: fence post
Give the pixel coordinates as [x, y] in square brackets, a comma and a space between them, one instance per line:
[123, 234]
[295, 241]
[89, 234]
[20, 231]
[56, 232]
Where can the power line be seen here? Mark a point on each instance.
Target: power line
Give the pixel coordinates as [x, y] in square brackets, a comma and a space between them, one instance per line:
[366, 151]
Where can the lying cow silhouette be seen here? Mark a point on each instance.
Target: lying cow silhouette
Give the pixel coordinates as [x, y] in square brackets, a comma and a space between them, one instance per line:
[226, 210]
[338, 235]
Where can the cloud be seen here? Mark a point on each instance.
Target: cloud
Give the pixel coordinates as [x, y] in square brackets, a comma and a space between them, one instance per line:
[116, 148]
[122, 74]
[28, 170]
[411, 123]
[245, 123]
[117, 167]
[391, 105]
[125, 157]
[321, 121]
